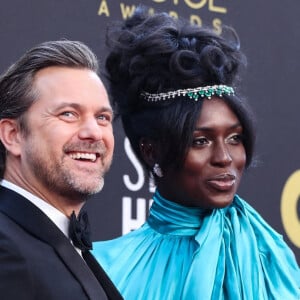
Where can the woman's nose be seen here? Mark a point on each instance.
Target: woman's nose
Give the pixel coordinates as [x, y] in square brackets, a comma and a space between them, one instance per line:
[221, 155]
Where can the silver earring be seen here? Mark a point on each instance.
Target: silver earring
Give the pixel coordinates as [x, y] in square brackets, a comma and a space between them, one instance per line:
[157, 170]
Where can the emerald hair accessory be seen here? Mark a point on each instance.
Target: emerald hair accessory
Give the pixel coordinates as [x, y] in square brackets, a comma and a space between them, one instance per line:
[193, 93]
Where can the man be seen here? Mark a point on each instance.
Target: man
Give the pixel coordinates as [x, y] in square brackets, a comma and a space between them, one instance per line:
[56, 145]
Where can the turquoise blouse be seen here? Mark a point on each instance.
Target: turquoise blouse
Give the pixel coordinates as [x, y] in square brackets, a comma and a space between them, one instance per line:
[189, 253]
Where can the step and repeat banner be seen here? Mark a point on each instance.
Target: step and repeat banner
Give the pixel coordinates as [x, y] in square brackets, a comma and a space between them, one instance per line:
[269, 31]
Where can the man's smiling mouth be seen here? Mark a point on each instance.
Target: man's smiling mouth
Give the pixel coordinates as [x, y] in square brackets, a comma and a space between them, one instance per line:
[84, 156]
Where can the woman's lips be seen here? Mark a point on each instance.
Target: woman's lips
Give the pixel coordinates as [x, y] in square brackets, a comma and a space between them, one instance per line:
[223, 182]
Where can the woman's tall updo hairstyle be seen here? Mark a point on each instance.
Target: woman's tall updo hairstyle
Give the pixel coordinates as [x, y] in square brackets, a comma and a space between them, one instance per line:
[156, 54]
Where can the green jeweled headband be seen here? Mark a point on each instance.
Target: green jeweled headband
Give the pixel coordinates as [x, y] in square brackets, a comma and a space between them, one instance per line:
[194, 94]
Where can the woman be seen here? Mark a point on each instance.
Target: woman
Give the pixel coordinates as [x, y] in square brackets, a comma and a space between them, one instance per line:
[174, 86]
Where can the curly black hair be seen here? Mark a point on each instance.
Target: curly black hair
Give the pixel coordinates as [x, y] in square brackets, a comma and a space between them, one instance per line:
[158, 53]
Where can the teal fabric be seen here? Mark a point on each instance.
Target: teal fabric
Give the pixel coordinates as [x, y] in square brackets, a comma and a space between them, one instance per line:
[190, 253]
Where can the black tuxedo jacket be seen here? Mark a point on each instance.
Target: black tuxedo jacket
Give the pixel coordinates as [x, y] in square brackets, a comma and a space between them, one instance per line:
[37, 261]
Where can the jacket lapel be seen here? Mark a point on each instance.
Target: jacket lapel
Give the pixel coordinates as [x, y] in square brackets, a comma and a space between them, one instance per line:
[27, 215]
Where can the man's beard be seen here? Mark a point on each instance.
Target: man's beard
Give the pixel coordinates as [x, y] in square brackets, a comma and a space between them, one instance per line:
[56, 176]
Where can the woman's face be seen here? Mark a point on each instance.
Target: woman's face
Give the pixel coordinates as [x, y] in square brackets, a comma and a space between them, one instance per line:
[214, 163]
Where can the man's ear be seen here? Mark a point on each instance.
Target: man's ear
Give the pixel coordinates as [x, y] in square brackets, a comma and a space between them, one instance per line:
[149, 151]
[10, 136]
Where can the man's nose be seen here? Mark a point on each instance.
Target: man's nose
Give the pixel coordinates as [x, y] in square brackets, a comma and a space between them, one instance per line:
[90, 129]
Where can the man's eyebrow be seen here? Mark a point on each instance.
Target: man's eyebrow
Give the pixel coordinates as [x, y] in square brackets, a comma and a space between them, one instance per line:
[107, 108]
[79, 106]
[68, 104]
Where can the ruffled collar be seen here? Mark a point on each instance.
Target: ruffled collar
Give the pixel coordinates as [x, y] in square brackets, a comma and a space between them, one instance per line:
[237, 251]
[171, 218]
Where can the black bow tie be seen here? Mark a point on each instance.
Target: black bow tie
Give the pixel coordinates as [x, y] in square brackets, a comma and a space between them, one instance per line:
[79, 231]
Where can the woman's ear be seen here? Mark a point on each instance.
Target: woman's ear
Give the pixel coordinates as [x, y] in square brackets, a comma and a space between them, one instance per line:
[149, 151]
[10, 136]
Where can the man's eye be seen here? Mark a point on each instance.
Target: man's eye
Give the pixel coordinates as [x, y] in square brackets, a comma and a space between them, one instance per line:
[67, 114]
[105, 118]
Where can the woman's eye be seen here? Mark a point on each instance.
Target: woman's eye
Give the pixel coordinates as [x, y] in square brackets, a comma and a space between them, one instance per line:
[200, 141]
[235, 138]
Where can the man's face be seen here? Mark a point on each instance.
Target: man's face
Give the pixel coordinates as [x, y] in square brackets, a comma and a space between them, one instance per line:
[69, 144]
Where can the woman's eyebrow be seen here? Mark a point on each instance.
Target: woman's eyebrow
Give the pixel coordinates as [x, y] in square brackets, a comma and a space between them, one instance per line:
[206, 128]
